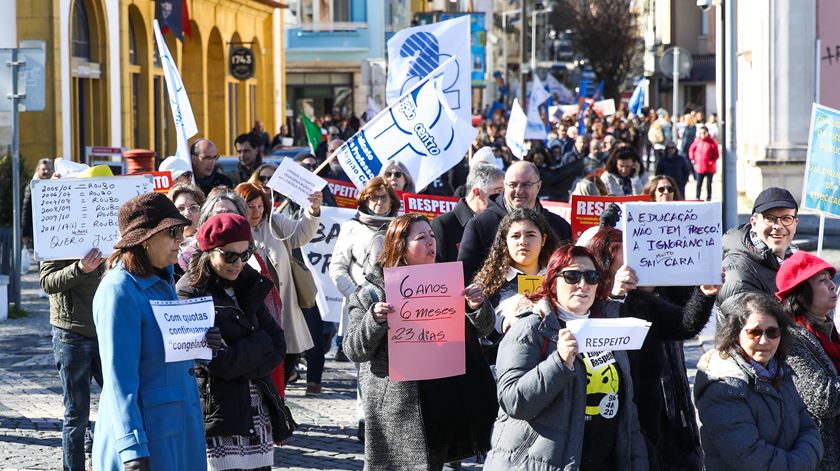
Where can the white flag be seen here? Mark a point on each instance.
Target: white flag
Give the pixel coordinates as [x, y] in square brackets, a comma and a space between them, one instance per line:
[372, 109]
[179, 102]
[515, 136]
[419, 130]
[413, 53]
[536, 128]
[564, 95]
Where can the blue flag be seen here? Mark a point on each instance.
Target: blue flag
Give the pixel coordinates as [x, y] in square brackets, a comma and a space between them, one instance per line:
[637, 100]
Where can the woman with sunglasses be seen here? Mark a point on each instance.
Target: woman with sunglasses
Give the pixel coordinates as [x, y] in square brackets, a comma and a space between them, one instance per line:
[243, 413]
[623, 172]
[751, 416]
[262, 174]
[396, 174]
[808, 295]
[662, 189]
[560, 409]
[417, 424]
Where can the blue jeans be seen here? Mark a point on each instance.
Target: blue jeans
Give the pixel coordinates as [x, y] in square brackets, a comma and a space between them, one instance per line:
[77, 361]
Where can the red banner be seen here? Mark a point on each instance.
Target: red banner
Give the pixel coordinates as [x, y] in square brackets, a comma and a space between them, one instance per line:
[163, 180]
[428, 205]
[564, 210]
[345, 193]
[586, 210]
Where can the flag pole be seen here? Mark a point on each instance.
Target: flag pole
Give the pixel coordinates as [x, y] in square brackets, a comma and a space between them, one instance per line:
[820, 234]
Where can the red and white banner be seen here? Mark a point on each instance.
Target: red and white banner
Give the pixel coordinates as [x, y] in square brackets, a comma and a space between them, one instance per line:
[345, 193]
[586, 210]
[428, 205]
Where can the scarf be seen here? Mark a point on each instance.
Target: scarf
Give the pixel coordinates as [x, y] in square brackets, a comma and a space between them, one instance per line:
[773, 373]
[760, 247]
[626, 185]
[830, 343]
[372, 220]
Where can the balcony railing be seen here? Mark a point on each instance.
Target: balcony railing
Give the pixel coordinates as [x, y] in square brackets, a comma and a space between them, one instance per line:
[333, 26]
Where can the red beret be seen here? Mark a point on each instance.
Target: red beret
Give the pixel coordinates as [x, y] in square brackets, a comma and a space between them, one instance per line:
[797, 269]
[222, 229]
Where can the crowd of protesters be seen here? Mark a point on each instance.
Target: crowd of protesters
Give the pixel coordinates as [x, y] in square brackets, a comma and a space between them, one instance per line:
[766, 396]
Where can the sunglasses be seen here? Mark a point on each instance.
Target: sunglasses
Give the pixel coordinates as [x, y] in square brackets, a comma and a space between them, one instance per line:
[232, 257]
[665, 189]
[572, 277]
[770, 333]
[394, 174]
[264, 178]
[176, 232]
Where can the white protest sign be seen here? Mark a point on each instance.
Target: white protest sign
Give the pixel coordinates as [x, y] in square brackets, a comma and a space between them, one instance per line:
[179, 102]
[605, 107]
[673, 244]
[317, 254]
[535, 128]
[515, 135]
[295, 182]
[595, 335]
[72, 216]
[183, 323]
[419, 130]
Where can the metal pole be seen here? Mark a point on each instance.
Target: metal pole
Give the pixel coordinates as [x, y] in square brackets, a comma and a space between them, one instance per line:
[505, 53]
[730, 190]
[16, 246]
[675, 96]
[523, 17]
[533, 41]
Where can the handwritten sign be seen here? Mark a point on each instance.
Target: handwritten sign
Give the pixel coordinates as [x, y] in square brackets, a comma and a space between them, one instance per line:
[821, 189]
[317, 255]
[597, 335]
[72, 216]
[295, 182]
[426, 329]
[183, 325]
[428, 205]
[586, 210]
[527, 284]
[345, 193]
[673, 244]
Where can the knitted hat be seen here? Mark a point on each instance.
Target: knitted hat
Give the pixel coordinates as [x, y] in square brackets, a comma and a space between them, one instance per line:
[797, 269]
[223, 229]
[774, 197]
[145, 215]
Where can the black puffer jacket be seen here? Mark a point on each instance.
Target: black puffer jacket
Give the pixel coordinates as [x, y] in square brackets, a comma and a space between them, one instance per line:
[746, 268]
[255, 345]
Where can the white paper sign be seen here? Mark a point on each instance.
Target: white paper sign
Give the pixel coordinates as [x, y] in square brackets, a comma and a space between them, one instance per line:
[295, 182]
[72, 216]
[317, 254]
[515, 135]
[183, 324]
[596, 335]
[673, 244]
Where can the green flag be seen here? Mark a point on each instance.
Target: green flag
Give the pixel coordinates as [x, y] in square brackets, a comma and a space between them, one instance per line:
[313, 133]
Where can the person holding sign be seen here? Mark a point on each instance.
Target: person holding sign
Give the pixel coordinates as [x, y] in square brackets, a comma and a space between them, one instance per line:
[418, 424]
[560, 409]
[243, 414]
[808, 295]
[149, 414]
[516, 265]
[751, 416]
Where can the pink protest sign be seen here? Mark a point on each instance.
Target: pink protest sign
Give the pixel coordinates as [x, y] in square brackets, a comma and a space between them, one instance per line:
[426, 329]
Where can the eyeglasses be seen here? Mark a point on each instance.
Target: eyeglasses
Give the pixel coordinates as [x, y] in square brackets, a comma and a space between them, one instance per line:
[523, 185]
[393, 174]
[232, 257]
[665, 189]
[379, 198]
[208, 157]
[265, 178]
[770, 333]
[786, 220]
[572, 277]
[192, 209]
[176, 232]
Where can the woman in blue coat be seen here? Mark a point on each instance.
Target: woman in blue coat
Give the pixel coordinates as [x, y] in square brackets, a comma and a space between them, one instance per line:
[149, 412]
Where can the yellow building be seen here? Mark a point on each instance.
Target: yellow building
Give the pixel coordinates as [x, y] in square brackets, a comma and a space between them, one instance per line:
[105, 86]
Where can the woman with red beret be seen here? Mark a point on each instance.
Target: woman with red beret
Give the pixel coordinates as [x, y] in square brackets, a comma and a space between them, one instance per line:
[808, 293]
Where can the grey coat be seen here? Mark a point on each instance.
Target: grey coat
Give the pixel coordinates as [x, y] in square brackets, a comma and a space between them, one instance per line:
[542, 404]
[394, 432]
[747, 424]
[818, 384]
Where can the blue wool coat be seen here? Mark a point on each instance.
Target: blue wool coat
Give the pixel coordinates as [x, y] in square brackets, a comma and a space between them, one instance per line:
[147, 407]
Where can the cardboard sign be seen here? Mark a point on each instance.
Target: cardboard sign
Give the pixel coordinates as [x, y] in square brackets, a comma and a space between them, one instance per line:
[527, 284]
[598, 335]
[295, 182]
[345, 193]
[426, 329]
[73, 215]
[586, 210]
[317, 255]
[183, 324]
[674, 244]
[162, 180]
[821, 189]
[428, 205]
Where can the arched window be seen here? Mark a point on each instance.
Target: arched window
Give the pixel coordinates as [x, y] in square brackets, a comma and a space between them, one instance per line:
[81, 31]
[132, 45]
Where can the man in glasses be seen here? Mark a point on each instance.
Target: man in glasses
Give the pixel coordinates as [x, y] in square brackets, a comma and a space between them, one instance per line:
[204, 156]
[521, 188]
[754, 251]
[250, 157]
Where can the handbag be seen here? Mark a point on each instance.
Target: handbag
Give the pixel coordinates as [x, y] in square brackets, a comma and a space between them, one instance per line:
[305, 286]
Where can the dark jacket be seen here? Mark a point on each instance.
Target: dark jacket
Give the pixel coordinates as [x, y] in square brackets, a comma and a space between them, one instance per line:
[242, 174]
[449, 228]
[71, 294]
[675, 166]
[215, 179]
[746, 268]
[255, 345]
[481, 230]
[26, 214]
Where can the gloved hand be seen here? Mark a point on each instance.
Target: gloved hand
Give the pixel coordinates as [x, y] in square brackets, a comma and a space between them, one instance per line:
[214, 338]
[140, 464]
[610, 216]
